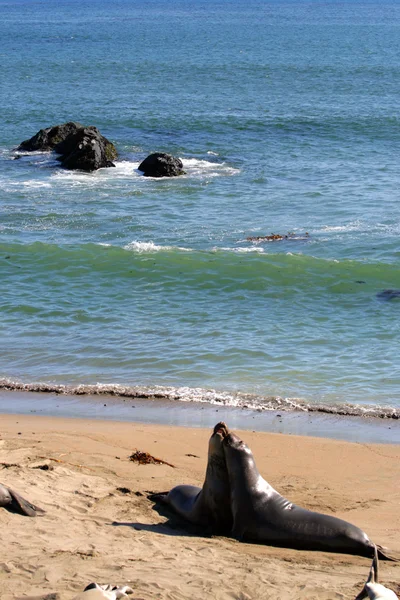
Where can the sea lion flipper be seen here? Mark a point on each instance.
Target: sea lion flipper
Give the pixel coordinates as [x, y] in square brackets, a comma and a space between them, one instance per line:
[374, 572]
[363, 594]
[372, 588]
[158, 497]
[24, 507]
[384, 554]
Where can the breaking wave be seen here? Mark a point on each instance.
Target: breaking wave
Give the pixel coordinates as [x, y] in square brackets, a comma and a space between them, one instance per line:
[209, 396]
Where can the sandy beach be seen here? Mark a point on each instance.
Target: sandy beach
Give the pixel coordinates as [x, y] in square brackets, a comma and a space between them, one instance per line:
[100, 526]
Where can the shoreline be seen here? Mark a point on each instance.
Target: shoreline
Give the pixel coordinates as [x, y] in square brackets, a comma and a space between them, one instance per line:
[100, 526]
[237, 399]
[157, 411]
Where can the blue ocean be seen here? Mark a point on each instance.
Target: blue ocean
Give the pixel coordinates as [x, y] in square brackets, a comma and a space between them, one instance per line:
[286, 117]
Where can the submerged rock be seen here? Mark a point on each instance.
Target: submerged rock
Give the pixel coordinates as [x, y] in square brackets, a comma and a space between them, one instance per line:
[161, 164]
[80, 147]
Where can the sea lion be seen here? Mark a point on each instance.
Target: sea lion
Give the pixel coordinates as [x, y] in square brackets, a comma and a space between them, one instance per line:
[16, 503]
[388, 294]
[94, 591]
[210, 505]
[372, 589]
[261, 514]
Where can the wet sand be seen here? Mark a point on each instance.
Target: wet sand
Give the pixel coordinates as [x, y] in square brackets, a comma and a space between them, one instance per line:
[196, 414]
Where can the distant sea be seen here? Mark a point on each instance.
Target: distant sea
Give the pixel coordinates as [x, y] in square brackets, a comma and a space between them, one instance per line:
[286, 116]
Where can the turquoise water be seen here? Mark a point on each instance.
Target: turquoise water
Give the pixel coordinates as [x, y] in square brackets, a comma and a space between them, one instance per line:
[286, 117]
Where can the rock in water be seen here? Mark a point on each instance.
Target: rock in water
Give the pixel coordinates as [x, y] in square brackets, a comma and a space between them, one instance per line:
[80, 147]
[87, 150]
[160, 164]
[47, 139]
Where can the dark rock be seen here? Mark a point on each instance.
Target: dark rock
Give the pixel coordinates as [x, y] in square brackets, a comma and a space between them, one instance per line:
[87, 150]
[160, 164]
[80, 147]
[47, 139]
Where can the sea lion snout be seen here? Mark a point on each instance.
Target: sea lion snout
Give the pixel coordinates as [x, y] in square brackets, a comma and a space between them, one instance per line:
[221, 429]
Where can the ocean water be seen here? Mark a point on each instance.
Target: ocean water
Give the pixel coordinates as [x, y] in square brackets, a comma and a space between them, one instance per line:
[286, 117]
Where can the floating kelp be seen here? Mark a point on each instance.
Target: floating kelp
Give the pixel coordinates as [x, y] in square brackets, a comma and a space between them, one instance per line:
[275, 237]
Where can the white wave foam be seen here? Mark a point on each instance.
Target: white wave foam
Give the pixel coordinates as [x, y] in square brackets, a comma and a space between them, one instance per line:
[122, 169]
[254, 249]
[198, 167]
[142, 247]
[32, 183]
[32, 153]
[126, 168]
[353, 226]
[194, 167]
[210, 396]
[9, 186]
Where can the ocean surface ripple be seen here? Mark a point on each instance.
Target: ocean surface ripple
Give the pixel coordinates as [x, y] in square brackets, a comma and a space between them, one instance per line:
[286, 118]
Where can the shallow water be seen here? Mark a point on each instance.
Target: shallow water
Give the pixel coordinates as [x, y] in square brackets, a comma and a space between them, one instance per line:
[286, 118]
[159, 411]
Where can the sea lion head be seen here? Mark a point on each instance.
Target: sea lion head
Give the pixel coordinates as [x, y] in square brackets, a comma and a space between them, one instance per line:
[239, 458]
[215, 447]
[216, 488]
[233, 443]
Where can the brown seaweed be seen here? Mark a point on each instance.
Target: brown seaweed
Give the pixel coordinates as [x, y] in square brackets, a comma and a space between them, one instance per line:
[144, 458]
[274, 237]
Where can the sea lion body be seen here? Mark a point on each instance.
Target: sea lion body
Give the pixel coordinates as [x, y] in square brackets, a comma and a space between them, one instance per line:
[376, 591]
[16, 503]
[261, 514]
[209, 505]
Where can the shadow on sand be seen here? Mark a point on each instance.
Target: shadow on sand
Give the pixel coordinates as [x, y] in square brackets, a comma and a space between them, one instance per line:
[174, 525]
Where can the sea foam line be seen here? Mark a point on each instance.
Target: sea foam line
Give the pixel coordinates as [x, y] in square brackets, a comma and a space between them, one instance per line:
[143, 247]
[209, 396]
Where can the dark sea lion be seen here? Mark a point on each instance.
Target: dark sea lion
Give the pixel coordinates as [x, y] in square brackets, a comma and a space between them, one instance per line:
[210, 505]
[261, 514]
[388, 294]
[372, 588]
[16, 503]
